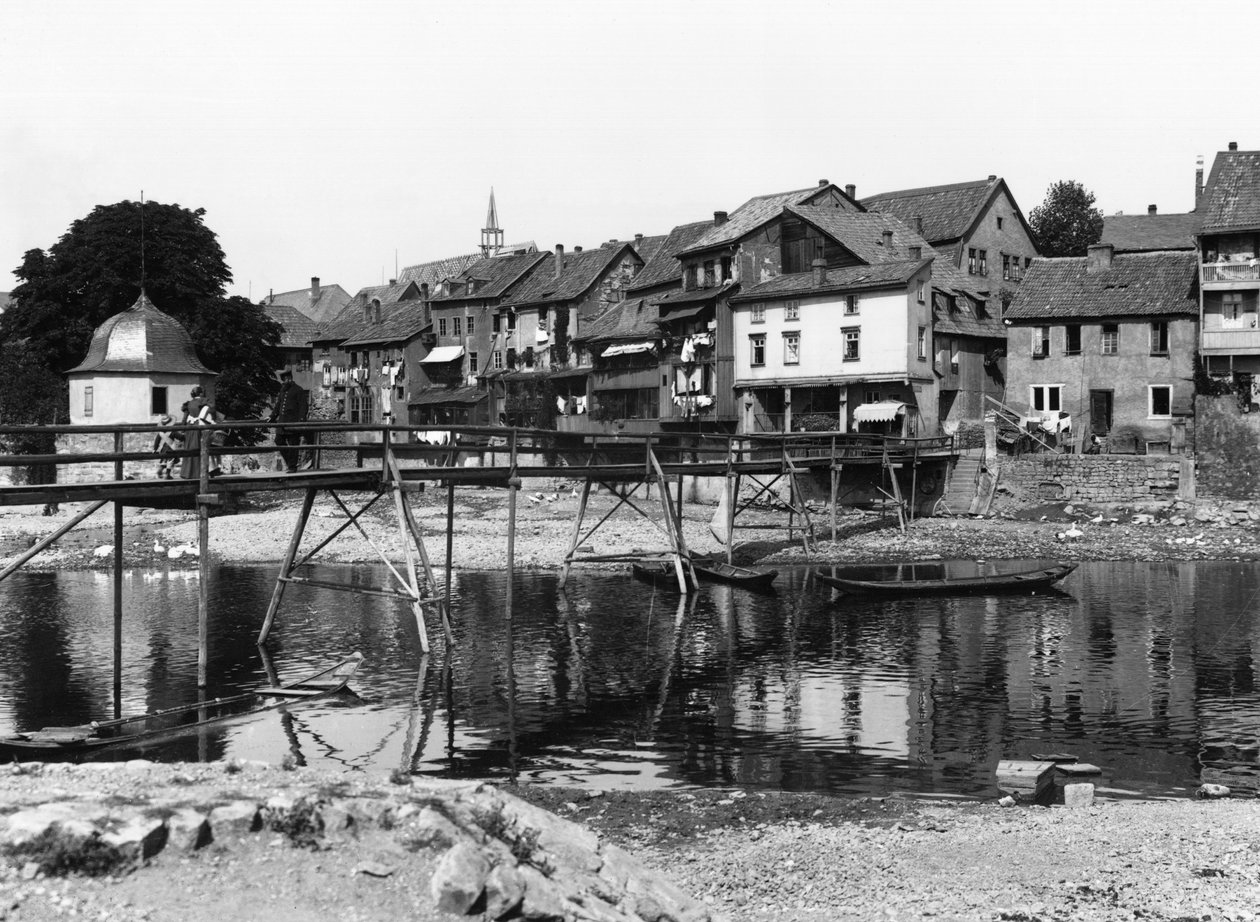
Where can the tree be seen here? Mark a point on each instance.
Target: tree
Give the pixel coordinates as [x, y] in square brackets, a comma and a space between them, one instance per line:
[1067, 222]
[95, 271]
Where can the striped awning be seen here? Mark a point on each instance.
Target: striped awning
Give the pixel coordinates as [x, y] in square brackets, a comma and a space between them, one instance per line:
[880, 412]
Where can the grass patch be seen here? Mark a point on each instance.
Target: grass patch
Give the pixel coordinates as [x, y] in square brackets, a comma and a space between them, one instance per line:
[59, 854]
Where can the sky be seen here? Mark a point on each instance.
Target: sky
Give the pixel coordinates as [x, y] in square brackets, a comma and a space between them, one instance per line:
[343, 140]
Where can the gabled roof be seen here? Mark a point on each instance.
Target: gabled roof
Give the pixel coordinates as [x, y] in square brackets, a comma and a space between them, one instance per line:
[492, 276]
[1137, 285]
[350, 321]
[433, 272]
[649, 247]
[1145, 232]
[1231, 198]
[862, 234]
[964, 317]
[329, 302]
[634, 318]
[850, 278]
[756, 212]
[580, 273]
[947, 211]
[663, 268]
[403, 321]
[297, 327]
[142, 339]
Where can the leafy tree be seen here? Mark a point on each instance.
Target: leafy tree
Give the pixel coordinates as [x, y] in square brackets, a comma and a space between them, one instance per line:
[95, 271]
[1067, 222]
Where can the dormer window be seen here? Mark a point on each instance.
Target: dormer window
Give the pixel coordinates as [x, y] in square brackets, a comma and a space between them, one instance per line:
[469, 287]
[690, 277]
[710, 279]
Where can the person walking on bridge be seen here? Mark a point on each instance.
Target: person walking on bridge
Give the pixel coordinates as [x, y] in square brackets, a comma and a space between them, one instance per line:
[292, 404]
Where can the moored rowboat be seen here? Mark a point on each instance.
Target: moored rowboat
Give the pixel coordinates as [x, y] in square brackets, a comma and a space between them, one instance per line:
[717, 571]
[1018, 581]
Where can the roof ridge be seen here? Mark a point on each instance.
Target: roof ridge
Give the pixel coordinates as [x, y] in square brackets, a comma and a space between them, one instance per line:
[924, 190]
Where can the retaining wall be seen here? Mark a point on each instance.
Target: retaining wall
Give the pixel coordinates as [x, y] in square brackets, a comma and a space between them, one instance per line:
[1101, 478]
[1228, 445]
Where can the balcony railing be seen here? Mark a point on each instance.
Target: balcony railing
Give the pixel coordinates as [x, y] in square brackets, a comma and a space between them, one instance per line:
[1231, 341]
[1232, 272]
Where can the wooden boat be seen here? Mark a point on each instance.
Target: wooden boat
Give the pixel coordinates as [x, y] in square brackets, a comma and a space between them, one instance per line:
[1018, 581]
[720, 572]
[144, 728]
[657, 572]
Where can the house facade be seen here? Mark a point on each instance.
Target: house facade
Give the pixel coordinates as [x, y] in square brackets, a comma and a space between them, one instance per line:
[1109, 340]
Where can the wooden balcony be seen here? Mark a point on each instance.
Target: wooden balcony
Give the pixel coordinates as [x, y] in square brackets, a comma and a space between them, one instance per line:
[1245, 341]
[1231, 272]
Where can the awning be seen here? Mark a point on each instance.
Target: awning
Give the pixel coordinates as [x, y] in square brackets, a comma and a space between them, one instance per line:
[443, 354]
[681, 313]
[629, 348]
[880, 412]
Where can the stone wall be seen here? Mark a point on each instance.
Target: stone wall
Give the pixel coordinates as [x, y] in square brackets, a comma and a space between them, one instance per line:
[1100, 478]
[77, 443]
[1228, 444]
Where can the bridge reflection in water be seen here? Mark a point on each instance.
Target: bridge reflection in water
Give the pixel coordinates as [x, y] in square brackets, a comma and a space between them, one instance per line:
[1147, 671]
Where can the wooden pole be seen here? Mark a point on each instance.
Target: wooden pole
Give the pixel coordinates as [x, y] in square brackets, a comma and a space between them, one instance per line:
[286, 566]
[203, 561]
[450, 533]
[914, 480]
[390, 464]
[514, 486]
[577, 532]
[118, 581]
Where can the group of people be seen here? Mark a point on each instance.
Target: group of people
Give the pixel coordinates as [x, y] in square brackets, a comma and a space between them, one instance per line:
[292, 405]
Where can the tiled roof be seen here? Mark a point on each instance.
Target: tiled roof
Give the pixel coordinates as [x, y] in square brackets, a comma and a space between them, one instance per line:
[297, 327]
[1136, 285]
[751, 215]
[964, 316]
[694, 296]
[433, 272]
[633, 318]
[649, 247]
[947, 211]
[495, 274]
[1231, 198]
[1137, 233]
[434, 396]
[403, 321]
[581, 271]
[349, 320]
[948, 277]
[663, 268]
[142, 339]
[863, 234]
[850, 278]
[332, 298]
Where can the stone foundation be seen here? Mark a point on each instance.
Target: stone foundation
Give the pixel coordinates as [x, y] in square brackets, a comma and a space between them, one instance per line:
[1100, 478]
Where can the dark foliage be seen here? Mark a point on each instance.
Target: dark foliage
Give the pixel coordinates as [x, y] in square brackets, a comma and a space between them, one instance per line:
[560, 334]
[59, 854]
[1067, 222]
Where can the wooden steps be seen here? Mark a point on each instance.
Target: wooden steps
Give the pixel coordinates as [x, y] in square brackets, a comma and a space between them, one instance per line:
[960, 490]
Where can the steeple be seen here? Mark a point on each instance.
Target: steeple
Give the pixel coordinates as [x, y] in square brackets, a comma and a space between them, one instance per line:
[491, 234]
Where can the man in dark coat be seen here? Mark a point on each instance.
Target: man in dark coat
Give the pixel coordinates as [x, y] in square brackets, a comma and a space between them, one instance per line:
[291, 406]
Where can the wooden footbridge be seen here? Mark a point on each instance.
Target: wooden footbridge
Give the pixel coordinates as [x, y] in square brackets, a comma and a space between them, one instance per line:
[396, 461]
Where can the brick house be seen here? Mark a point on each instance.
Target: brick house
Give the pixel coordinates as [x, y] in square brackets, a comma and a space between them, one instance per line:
[977, 226]
[1108, 339]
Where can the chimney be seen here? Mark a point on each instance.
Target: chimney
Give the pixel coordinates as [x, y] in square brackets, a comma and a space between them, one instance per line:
[819, 269]
[424, 291]
[719, 218]
[1198, 180]
[638, 240]
[271, 296]
[1100, 255]
[1233, 145]
[851, 191]
[915, 252]
[918, 224]
[823, 182]
[559, 259]
[888, 235]
[577, 249]
[393, 282]
[1151, 210]
[314, 288]
[992, 176]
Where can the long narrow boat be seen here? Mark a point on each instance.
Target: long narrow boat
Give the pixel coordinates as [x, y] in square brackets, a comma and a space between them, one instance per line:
[657, 572]
[1018, 581]
[717, 571]
[143, 728]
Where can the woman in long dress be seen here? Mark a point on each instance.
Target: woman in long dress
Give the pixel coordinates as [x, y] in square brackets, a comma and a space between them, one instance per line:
[190, 469]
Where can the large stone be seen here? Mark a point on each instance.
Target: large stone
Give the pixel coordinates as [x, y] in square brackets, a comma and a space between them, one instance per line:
[139, 838]
[543, 899]
[25, 825]
[504, 890]
[335, 821]
[1078, 795]
[431, 829]
[563, 844]
[239, 816]
[460, 878]
[188, 830]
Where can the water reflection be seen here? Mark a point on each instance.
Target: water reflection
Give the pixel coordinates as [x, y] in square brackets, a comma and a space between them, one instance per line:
[1144, 670]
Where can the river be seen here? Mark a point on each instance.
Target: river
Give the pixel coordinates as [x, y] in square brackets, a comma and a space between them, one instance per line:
[1143, 670]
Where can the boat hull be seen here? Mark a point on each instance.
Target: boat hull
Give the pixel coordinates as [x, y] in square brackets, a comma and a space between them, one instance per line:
[1018, 582]
[757, 580]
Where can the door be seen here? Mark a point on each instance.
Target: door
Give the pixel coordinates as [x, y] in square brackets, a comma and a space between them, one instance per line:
[1100, 404]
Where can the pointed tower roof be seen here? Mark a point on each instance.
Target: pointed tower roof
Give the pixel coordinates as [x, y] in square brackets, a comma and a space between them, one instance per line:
[491, 234]
[142, 339]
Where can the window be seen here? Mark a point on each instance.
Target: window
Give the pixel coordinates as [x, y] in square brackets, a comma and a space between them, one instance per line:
[971, 261]
[757, 349]
[472, 363]
[471, 325]
[852, 344]
[1160, 401]
[1044, 398]
[726, 268]
[690, 276]
[709, 278]
[871, 397]
[543, 316]
[511, 318]
[1111, 339]
[1006, 266]
[791, 348]
[1238, 311]
[921, 344]
[999, 220]
[455, 326]
[921, 294]
[441, 326]
[1040, 342]
[496, 324]
[1159, 337]
[87, 400]
[1027, 261]
[496, 359]
[1072, 339]
[792, 310]
[758, 313]
[850, 304]
[157, 401]
[982, 262]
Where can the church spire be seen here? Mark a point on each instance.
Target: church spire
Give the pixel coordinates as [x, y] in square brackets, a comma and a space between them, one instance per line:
[491, 234]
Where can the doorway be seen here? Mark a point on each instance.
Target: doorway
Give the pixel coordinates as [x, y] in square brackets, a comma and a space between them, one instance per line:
[1100, 407]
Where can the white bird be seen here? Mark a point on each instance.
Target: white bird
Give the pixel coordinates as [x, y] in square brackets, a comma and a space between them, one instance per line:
[175, 553]
[103, 551]
[1096, 519]
[157, 548]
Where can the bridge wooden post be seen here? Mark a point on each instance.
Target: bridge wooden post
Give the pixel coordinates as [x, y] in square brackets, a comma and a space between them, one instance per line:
[577, 532]
[286, 566]
[450, 532]
[514, 486]
[203, 560]
[118, 581]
